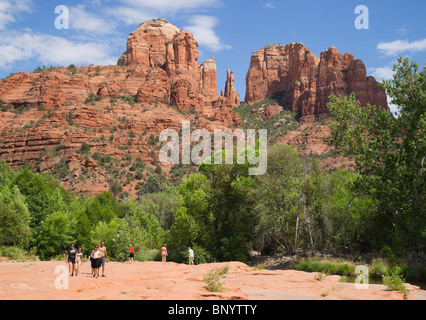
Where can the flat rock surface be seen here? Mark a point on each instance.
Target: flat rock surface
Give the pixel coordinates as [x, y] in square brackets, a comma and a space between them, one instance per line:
[154, 281]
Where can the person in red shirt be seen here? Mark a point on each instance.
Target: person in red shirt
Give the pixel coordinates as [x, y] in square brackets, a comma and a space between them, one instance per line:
[131, 254]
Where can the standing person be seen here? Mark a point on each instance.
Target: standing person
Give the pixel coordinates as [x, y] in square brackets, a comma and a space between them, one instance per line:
[91, 258]
[163, 254]
[190, 256]
[104, 257]
[96, 261]
[71, 255]
[78, 261]
[131, 254]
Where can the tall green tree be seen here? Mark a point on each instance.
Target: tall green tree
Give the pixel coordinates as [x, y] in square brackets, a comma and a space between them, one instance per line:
[36, 192]
[14, 219]
[279, 196]
[54, 235]
[389, 154]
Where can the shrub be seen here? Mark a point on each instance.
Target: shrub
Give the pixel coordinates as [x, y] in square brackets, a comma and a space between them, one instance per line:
[13, 253]
[92, 98]
[395, 282]
[378, 269]
[212, 280]
[85, 148]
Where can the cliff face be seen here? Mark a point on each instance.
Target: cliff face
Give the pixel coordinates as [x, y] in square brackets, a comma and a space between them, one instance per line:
[159, 44]
[303, 82]
[159, 64]
[46, 115]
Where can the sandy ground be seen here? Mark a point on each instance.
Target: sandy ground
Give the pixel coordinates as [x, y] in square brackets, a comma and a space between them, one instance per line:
[154, 281]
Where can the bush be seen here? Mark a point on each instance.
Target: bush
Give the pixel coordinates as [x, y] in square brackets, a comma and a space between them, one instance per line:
[212, 279]
[13, 253]
[378, 269]
[85, 148]
[152, 255]
[342, 269]
[92, 98]
[395, 282]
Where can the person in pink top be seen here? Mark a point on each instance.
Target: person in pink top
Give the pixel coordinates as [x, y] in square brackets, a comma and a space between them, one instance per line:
[163, 254]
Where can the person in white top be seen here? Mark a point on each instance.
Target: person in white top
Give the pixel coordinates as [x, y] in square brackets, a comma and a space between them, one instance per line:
[96, 261]
[190, 256]
[78, 261]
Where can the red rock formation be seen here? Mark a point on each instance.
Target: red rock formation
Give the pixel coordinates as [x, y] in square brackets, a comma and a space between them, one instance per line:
[158, 43]
[159, 64]
[147, 45]
[230, 92]
[156, 87]
[209, 80]
[303, 82]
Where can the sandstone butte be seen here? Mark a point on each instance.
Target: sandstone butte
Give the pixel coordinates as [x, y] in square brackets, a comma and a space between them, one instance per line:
[157, 83]
[304, 82]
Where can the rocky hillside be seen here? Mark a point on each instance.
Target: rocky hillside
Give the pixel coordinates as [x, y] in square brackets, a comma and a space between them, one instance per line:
[97, 127]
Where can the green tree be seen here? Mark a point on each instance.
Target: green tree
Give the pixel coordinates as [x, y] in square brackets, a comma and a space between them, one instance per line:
[280, 196]
[151, 186]
[102, 208]
[6, 174]
[14, 219]
[54, 235]
[36, 192]
[161, 205]
[389, 155]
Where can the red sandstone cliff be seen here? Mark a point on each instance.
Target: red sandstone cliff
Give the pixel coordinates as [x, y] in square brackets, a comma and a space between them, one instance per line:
[159, 64]
[304, 82]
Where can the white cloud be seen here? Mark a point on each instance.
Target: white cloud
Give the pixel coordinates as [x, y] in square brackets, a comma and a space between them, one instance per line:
[130, 15]
[81, 19]
[382, 73]
[9, 9]
[202, 27]
[137, 11]
[48, 49]
[167, 6]
[269, 5]
[399, 46]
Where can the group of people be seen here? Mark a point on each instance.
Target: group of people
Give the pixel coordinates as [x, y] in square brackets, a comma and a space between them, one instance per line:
[99, 256]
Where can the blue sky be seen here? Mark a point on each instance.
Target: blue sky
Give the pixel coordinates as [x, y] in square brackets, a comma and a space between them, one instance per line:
[228, 30]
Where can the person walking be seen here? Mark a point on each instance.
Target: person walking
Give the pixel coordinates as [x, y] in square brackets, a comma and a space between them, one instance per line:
[78, 261]
[131, 254]
[71, 255]
[96, 262]
[190, 256]
[91, 258]
[104, 257]
[163, 254]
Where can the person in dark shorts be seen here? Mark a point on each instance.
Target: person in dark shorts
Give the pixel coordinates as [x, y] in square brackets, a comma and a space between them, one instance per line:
[96, 261]
[131, 254]
[71, 255]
